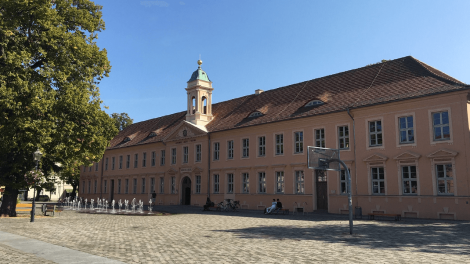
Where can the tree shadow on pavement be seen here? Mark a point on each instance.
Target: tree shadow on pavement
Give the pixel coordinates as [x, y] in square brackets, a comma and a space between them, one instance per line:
[427, 237]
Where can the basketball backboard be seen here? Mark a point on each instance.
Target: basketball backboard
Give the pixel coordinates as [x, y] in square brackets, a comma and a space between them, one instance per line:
[323, 158]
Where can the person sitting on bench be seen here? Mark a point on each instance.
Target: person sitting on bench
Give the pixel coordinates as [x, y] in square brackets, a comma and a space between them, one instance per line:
[278, 206]
[273, 206]
[208, 204]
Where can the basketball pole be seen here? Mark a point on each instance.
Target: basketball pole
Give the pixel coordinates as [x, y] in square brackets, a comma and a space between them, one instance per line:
[349, 193]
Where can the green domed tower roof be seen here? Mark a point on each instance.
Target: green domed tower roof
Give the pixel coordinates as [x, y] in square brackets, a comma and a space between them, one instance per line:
[199, 74]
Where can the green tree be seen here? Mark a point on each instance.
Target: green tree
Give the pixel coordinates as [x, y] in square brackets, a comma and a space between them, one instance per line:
[121, 120]
[50, 67]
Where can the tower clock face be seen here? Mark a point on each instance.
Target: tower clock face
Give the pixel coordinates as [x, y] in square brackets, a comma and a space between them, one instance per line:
[185, 132]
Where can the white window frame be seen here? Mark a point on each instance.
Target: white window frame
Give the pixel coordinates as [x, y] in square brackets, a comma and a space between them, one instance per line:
[319, 137]
[134, 186]
[343, 139]
[378, 180]
[230, 149]
[280, 182]
[143, 185]
[198, 149]
[261, 182]
[89, 187]
[245, 147]
[106, 164]
[343, 182]
[126, 190]
[173, 156]
[230, 185]
[154, 158]
[216, 185]
[162, 158]
[152, 185]
[136, 160]
[245, 182]
[173, 184]
[299, 182]
[119, 186]
[185, 154]
[440, 126]
[409, 179]
[128, 162]
[445, 178]
[406, 129]
[162, 185]
[261, 146]
[113, 163]
[431, 113]
[216, 155]
[144, 159]
[96, 187]
[298, 142]
[198, 183]
[96, 166]
[105, 186]
[279, 144]
[375, 133]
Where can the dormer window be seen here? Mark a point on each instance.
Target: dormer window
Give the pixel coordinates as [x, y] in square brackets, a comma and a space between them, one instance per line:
[255, 114]
[126, 139]
[314, 103]
[153, 134]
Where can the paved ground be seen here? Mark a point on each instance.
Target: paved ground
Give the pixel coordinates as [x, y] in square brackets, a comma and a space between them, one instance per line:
[193, 236]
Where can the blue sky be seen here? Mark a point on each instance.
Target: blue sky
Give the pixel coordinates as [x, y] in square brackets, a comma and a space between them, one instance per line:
[153, 45]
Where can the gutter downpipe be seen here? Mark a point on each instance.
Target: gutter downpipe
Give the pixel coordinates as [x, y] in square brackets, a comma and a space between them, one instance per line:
[209, 166]
[354, 139]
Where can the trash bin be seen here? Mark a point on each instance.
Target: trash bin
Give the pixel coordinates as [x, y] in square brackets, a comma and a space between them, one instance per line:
[358, 212]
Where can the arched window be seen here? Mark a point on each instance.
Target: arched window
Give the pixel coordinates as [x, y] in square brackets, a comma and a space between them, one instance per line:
[314, 103]
[193, 105]
[204, 104]
[255, 114]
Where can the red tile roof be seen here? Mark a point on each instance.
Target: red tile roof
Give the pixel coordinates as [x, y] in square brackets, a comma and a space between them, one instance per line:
[400, 79]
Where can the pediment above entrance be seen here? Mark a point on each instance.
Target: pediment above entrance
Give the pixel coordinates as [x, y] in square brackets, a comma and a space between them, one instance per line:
[197, 170]
[376, 157]
[443, 153]
[171, 171]
[407, 155]
[185, 130]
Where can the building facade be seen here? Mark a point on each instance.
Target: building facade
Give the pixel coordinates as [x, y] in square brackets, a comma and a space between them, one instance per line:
[402, 128]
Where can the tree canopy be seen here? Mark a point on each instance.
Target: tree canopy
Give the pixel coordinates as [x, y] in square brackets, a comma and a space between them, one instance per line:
[121, 120]
[50, 67]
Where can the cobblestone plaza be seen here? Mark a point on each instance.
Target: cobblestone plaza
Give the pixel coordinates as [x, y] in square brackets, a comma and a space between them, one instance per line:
[192, 236]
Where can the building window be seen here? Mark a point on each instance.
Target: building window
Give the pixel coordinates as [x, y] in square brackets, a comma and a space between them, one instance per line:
[230, 183]
[299, 182]
[279, 144]
[230, 149]
[112, 165]
[120, 162]
[445, 179]
[105, 190]
[299, 142]
[96, 186]
[262, 182]
[143, 185]
[91, 167]
[144, 159]
[375, 133]
[378, 180]
[320, 138]
[152, 185]
[216, 183]
[198, 152]
[106, 164]
[246, 182]
[173, 156]
[126, 191]
[162, 159]
[198, 184]
[410, 182]
[128, 161]
[406, 130]
[185, 154]
[154, 157]
[89, 186]
[343, 137]
[314, 103]
[173, 184]
[343, 182]
[441, 126]
[84, 169]
[136, 160]
[246, 147]
[216, 150]
[262, 146]
[279, 182]
[96, 166]
[162, 185]
[119, 186]
[134, 188]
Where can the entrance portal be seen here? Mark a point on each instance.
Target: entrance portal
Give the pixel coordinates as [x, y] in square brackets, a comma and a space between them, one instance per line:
[186, 191]
[322, 190]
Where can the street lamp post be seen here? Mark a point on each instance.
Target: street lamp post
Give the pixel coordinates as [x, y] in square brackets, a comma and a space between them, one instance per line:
[37, 156]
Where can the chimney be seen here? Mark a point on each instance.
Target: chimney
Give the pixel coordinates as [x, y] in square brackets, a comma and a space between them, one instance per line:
[259, 91]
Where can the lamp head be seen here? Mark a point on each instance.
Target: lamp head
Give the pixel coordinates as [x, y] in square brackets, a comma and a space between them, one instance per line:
[37, 155]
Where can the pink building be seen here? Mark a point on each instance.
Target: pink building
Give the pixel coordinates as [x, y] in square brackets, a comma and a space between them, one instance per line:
[402, 127]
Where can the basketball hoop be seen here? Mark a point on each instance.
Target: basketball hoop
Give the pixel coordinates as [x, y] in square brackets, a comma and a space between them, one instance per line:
[328, 159]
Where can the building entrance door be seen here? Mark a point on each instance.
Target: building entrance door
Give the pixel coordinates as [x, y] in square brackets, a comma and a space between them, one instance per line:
[322, 190]
[186, 191]
[111, 189]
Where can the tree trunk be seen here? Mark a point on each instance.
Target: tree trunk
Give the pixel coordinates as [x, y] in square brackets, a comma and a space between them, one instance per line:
[9, 202]
[74, 191]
